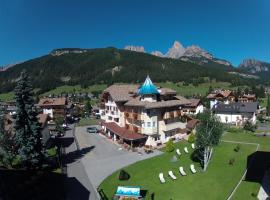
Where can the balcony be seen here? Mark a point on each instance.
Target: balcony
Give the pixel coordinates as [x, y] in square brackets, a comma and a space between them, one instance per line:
[173, 125]
[133, 128]
[134, 116]
[172, 114]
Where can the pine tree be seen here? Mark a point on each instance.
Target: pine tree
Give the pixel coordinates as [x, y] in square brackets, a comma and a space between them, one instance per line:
[7, 153]
[88, 108]
[26, 126]
[268, 105]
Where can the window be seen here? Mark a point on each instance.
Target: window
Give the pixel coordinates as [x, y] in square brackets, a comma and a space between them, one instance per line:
[148, 124]
[116, 119]
[110, 118]
[154, 124]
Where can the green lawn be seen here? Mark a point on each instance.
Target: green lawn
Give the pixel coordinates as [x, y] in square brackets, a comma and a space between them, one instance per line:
[216, 183]
[6, 96]
[201, 89]
[76, 89]
[88, 122]
[247, 188]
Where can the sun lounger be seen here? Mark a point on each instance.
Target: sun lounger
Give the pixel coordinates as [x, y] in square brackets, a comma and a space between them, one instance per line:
[178, 152]
[161, 178]
[182, 172]
[192, 168]
[193, 146]
[186, 150]
[172, 175]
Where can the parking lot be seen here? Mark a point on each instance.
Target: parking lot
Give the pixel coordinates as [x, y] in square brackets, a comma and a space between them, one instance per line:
[103, 157]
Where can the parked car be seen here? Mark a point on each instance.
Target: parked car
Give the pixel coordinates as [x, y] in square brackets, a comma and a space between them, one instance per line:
[92, 129]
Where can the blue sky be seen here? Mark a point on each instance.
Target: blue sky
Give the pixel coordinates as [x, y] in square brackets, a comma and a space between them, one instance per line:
[229, 29]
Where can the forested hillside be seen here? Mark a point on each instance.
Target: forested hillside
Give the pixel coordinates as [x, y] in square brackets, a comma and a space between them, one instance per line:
[109, 65]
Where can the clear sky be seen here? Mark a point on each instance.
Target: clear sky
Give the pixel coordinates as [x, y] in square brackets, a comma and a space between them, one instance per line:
[229, 29]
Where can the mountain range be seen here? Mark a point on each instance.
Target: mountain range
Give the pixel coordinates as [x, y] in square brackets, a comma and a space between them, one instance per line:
[191, 53]
[73, 66]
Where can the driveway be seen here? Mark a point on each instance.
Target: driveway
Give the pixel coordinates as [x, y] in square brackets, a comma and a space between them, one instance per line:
[77, 181]
[104, 158]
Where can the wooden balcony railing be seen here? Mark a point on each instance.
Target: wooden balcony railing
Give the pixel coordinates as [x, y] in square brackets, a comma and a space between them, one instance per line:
[130, 115]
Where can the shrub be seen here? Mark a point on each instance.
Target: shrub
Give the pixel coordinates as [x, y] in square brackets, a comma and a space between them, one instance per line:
[191, 138]
[253, 194]
[231, 161]
[123, 175]
[237, 148]
[169, 146]
[248, 126]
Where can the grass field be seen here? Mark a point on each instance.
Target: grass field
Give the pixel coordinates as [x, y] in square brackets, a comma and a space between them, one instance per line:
[189, 90]
[216, 183]
[6, 96]
[76, 89]
[201, 89]
[88, 122]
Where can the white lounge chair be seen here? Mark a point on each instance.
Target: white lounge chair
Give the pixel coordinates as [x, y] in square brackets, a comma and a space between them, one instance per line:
[161, 178]
[172, 175]
[186, 150]
[192, 168]
[193, 146]
[178, 152]
[182, 172]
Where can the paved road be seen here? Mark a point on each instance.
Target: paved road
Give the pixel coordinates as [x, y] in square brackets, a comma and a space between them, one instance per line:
[103, 157]
[79, 186]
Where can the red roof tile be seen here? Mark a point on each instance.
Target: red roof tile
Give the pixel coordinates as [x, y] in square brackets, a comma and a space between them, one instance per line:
[122, 132]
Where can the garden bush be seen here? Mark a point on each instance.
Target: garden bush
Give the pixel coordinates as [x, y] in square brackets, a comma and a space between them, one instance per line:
[169, 146]
[191, 138]
[231, 161]
[123, 175]
[237, 148]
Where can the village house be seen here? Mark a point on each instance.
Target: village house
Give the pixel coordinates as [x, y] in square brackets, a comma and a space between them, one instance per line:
[143, 115]
[221, 96]
[247, 98]
[42, 119]
[53, 106]
[194, 107]
[237, 113]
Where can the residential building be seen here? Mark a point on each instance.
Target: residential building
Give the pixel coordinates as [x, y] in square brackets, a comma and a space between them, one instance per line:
[42, 119]
[237, 113]
[221, 96]
[194, 107]
[137, 114]
[53, 106]
[247, 98]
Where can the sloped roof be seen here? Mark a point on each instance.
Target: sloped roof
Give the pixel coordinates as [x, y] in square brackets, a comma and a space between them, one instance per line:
[122, 92]
[148, 87]
[166, 91]
[192, 123]
[151, 105]
[223, 93]
[194, 102]
[52, 102]
[237, 107]
[122, 132]
[183, 99]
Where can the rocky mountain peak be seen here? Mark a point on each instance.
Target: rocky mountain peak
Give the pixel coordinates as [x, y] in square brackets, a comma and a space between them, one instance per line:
[176, 51]
[196, 51]
[135, 48]
[254, 66]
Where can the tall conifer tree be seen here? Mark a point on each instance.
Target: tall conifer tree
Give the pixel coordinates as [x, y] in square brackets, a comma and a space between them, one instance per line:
[26, 126]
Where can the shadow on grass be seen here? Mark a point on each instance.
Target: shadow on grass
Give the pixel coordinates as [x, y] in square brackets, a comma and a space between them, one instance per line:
[39, 185]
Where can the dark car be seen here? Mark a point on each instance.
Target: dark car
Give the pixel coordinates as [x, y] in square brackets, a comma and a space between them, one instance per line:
[92, 129]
